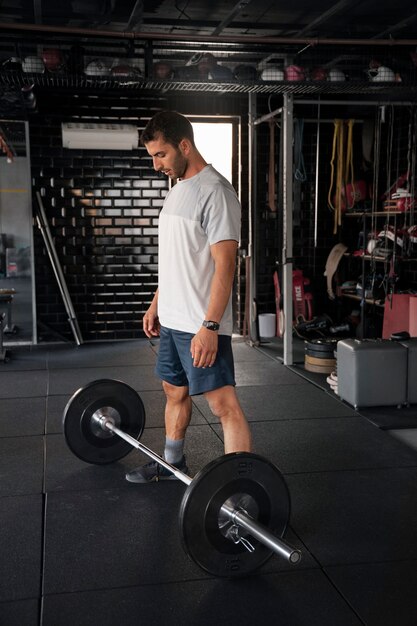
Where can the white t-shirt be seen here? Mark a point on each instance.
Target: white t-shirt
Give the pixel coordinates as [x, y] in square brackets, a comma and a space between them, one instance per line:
[197, 213]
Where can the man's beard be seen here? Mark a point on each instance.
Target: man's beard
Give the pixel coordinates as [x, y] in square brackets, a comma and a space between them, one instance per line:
[180, 166]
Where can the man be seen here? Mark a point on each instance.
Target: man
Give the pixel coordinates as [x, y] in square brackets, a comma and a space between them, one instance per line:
[199, 229]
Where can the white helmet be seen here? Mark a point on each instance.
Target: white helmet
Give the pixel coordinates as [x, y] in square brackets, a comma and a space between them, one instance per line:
[98, 67]
[412, 233]
[272, 73]
[389, 234]
[336, 75]
[381, 74]
[33, 65]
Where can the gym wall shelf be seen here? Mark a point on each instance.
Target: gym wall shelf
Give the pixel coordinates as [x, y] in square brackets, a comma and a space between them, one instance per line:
[344, 64]
[308, 88]
[370, 262]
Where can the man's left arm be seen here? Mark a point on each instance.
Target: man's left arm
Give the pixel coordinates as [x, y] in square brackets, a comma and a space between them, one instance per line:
[204, 343]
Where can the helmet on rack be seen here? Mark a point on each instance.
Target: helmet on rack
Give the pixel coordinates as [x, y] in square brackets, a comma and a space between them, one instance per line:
[196, 58]
[318, 73]
[272, 73]
[294, 72]
[412, 235]
[186, 72]
[97, 67]
[209, 69]
[13, 64]
[389, 241]
[220, 72]
[405, 203]
[372, 244]
[245, 72]
[336, 75]
[162, 70]
[33, 65]
[53, 59]
[126, 73]
[381, 74]
[206, 62]
[404, 200]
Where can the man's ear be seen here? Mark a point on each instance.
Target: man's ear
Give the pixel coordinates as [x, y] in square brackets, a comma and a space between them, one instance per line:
[185, 146]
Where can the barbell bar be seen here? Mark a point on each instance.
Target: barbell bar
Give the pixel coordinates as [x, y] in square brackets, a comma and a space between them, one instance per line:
[236, 496]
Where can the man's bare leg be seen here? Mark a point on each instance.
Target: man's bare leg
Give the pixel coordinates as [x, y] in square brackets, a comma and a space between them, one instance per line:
[224, 404]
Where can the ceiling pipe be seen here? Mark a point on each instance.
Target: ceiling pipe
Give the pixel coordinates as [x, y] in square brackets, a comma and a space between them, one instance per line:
[245, 39]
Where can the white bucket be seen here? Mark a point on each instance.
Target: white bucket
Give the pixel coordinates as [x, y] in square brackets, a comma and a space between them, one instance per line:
[267, 324]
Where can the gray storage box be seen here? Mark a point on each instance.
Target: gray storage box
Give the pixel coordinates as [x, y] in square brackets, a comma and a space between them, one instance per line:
[372, 372]
[411, 345]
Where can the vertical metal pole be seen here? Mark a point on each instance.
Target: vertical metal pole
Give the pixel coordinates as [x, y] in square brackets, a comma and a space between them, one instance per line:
[287, 248]
[316, 199]
[56, 266]
[32, 246]
[252, 234]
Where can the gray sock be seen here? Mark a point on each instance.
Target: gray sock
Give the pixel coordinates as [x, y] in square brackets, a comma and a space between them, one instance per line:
[174, 450]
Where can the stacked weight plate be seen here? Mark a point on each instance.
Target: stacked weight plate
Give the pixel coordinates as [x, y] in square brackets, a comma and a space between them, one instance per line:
[319, 355]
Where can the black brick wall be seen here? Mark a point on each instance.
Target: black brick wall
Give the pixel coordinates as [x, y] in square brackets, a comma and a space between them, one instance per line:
[103, 208]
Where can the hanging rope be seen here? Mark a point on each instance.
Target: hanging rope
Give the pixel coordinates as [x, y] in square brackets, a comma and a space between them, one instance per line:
[300, 170]
[271, 169]
[337, 199]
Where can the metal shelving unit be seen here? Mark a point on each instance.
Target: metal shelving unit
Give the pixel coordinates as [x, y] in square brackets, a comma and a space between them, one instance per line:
[307, 88]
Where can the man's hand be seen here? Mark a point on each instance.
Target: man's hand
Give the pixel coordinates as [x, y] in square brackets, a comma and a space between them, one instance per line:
[204, 347]
[151, 325]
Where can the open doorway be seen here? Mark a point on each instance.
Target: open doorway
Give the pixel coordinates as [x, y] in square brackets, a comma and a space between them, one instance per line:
[218, 140]
[215, 142]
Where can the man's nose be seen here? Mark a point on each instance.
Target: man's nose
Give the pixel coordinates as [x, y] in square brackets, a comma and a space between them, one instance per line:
[157, 165]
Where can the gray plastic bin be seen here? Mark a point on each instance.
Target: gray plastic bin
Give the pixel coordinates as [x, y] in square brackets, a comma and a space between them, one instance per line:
[372, 372]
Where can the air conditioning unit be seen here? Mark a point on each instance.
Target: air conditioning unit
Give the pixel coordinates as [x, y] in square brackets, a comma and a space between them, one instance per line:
[87, 136]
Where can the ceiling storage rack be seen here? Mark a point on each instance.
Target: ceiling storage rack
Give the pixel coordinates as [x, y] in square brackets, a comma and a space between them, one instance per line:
[35, 55]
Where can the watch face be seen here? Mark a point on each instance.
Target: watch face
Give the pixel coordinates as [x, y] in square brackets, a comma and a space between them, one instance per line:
[211, 325]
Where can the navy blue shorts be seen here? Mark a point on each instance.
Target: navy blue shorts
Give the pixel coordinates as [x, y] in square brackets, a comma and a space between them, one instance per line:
[175, 363]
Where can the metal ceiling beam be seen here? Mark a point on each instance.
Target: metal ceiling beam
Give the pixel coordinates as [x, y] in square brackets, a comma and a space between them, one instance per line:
[136, 17]
[327, 15]
[396, 27]
[211, 24]
[229, 18]
[37, 11]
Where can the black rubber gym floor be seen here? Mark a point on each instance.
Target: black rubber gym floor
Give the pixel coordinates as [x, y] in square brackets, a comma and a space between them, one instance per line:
[80, 546]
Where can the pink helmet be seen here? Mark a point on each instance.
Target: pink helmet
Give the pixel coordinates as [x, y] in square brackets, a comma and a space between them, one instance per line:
[294, 72]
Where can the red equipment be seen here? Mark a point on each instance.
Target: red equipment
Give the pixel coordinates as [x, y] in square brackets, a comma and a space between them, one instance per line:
[302, 300]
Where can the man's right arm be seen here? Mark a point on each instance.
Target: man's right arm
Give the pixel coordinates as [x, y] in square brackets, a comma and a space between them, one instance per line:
[151, 325]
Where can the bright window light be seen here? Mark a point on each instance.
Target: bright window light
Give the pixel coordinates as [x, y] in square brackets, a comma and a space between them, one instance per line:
[215, 141]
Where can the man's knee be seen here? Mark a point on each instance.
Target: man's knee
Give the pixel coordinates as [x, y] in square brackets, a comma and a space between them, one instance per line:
[223, 403]
[174, 393]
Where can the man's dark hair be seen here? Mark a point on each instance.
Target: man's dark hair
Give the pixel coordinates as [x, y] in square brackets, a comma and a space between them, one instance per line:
[172, 126]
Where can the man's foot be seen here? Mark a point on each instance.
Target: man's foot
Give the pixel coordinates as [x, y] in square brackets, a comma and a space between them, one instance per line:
[153, 471]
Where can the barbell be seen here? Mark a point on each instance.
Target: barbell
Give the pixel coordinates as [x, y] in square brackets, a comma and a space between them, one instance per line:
[234, 512]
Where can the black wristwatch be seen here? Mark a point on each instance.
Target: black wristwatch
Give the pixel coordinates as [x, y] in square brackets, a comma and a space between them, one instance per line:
[211, 325]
